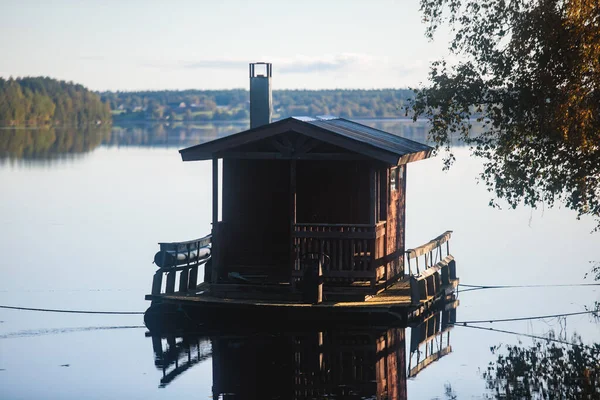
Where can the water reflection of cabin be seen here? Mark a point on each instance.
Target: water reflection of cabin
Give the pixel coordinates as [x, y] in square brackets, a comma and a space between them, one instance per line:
[307, 362]
[301, 186]
[351, 363]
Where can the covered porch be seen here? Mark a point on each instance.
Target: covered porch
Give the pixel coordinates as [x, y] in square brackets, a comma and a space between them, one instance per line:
[278, 213]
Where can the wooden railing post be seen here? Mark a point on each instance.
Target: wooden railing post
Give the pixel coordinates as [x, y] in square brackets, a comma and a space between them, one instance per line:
[157, 282]
[193, 278]
[372, 263]
[436, 274]
[217, 237]
[415, 297]
[183, 279]
[170, 282]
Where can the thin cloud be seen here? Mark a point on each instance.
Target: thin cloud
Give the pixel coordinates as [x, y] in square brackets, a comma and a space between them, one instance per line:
[291, 65]
[91, 58]
[218, 64]
[305, 65]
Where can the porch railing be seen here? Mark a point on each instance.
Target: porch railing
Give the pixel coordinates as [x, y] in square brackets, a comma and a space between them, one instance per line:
[437, 272]
[183, 259]
[349, 250]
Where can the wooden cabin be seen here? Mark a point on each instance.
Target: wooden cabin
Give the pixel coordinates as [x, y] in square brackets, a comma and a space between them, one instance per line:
[310, 224]
[301, 188]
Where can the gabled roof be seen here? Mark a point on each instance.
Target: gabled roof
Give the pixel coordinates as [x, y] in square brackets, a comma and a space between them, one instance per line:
[352, 136]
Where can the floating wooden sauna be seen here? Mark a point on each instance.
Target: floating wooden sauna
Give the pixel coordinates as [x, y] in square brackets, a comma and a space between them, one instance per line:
[313, 211]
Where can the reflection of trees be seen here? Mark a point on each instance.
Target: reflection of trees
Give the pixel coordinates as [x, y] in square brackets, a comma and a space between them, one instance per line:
[554, 368]
[595, 273]
[176, 135]
[50, 143]
[546, 370]
[54, 143]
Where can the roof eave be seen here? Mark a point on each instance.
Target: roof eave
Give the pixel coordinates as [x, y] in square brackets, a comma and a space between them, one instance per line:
[198, 152]
[195, 156]
[412, 157]
[211, 149]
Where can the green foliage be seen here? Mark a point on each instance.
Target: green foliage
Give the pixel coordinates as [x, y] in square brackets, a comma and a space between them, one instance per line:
[233, 104]
[595, 272]
[48, 101]
[529, 70]
[545, 371]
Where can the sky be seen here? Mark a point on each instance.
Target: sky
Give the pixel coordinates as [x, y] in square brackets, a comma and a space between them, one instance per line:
[207, 44]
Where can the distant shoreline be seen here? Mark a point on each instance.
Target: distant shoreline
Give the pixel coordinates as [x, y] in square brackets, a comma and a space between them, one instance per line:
[179, 122]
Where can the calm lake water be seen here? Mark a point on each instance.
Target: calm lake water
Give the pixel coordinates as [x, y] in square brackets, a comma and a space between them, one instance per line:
[81, 213]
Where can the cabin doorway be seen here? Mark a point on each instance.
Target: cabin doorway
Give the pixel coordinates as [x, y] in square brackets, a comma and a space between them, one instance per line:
[256, 215]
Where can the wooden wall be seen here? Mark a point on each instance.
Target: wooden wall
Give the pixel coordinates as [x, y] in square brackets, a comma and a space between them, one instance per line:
[332, 192]
[396, 222]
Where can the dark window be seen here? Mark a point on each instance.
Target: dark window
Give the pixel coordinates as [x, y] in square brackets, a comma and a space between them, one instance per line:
[394, 179]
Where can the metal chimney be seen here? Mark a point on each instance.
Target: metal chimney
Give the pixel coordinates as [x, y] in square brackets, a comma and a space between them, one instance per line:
[261, 100]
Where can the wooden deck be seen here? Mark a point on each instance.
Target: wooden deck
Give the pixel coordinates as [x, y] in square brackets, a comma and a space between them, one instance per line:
[404, 301]
[393, 305]
[397, 295]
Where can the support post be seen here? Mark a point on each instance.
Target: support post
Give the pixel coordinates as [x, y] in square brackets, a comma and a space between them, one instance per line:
[215, 259]
[373, 220]
[293, 254]
[372, 196]
[312, 279]
[215, 191]
[401, 212]
[215, 222]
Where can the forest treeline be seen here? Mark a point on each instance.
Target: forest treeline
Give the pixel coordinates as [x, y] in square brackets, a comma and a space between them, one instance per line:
[43, 100]
[207, 105]
[47, 101]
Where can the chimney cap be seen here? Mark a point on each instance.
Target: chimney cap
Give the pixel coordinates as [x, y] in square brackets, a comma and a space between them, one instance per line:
[269, 69]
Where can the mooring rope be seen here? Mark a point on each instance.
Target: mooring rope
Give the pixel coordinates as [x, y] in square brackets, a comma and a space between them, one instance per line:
[480, 287]
[489, 321]
[528, 335]
[74, 311]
